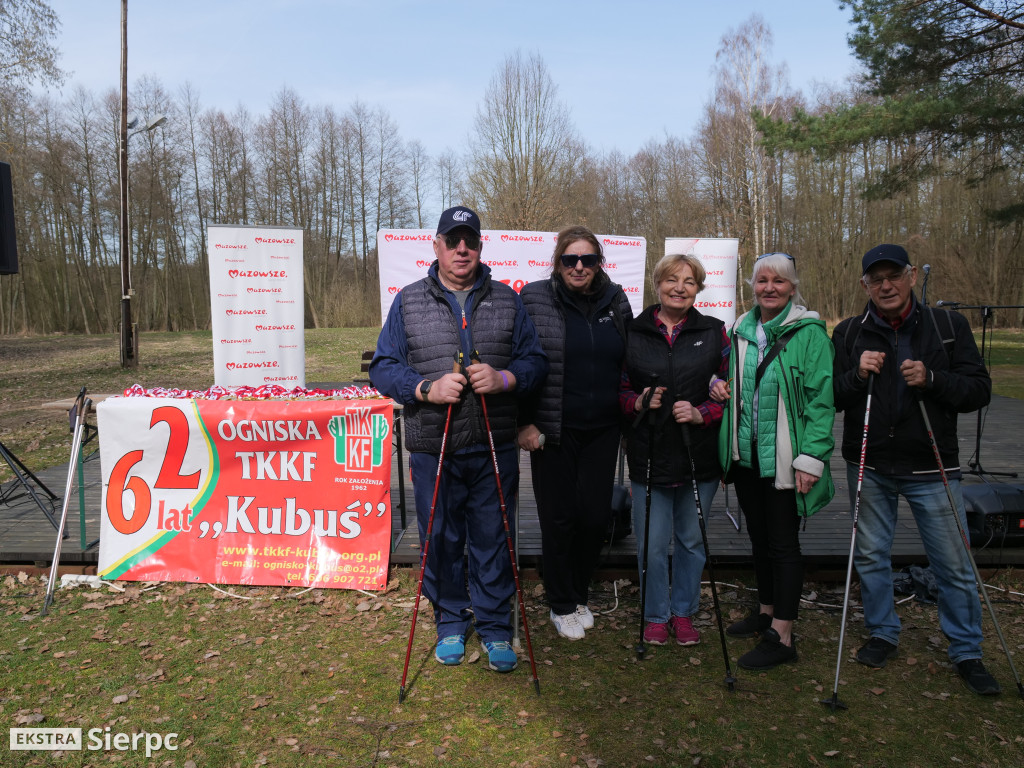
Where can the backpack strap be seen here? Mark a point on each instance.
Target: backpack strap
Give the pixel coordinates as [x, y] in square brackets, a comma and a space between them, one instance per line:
[947, 344]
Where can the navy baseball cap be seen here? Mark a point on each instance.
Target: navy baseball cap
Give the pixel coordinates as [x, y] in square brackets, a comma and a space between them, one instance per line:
[885, 252]
[459, 216]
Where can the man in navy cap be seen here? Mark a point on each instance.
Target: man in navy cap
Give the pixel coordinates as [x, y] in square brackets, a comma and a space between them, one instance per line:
[454, 311]
[916, 354]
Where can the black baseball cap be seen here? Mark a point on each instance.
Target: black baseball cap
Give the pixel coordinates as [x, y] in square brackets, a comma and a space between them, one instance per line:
[459, 216]
[897, 254]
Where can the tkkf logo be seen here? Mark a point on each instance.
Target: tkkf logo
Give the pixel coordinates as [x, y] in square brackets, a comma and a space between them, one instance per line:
[359, 439]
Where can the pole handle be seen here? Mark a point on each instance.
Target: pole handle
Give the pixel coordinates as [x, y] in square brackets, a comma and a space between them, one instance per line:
[684, 427]
[645, 401]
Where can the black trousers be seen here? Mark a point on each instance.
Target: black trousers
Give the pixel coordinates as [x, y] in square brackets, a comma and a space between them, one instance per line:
[573, 486]
[774, 529]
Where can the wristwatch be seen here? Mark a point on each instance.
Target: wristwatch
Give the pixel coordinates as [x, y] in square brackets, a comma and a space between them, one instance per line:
[425, 388]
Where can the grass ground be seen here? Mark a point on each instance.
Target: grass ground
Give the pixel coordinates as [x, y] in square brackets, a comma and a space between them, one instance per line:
[289, 678]
[283, 678]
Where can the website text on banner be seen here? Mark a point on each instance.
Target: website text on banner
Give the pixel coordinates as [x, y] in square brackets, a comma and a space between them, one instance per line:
[284, 493]
[256, 306]
[515, 258]
[718, 255]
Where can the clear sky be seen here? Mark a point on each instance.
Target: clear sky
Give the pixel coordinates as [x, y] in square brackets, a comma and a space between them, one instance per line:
[628, 71]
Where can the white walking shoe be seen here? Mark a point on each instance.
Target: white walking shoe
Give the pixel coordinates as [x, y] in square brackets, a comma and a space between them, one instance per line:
[585, 616]
[568, 626]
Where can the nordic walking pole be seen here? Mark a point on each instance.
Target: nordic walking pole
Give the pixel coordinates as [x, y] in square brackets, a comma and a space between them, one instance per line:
[456, 368]
[967, 544]
[645, 407]
[508, 536]
[730, 679]
[834, 702]
[82, 404]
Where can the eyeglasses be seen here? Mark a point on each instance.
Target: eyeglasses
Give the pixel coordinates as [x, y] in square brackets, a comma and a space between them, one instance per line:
[876, 281]
[589, 259]
[775, 253]
[472, 240]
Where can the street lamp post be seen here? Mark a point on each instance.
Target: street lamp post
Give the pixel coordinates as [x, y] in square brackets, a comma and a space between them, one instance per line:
[129, 339]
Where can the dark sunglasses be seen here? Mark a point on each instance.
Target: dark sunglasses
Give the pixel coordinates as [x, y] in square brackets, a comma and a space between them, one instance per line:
[589, 259]
[472, 241]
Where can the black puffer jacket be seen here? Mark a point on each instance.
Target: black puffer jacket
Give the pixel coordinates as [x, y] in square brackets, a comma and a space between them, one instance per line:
[898, 443]
[547, 303]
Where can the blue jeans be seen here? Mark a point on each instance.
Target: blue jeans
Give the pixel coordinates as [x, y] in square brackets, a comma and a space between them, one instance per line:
[959, 605]
[673, 514]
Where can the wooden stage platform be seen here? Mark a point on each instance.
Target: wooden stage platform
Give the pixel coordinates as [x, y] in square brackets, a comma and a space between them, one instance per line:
[27, 537]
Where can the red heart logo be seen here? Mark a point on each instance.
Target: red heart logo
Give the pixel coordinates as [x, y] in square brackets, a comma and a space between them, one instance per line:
[232, 273]
[392, 289]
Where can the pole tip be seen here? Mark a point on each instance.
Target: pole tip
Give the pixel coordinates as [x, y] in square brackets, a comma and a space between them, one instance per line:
[833, 703]
[536, 685]
[401, 694]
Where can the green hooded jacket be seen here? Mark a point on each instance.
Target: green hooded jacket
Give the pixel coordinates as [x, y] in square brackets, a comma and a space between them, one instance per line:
[804, 408]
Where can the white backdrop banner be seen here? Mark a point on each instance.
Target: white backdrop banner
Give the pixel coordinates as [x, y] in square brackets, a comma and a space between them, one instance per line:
[515, 258]
[256, 305]
[719, 256]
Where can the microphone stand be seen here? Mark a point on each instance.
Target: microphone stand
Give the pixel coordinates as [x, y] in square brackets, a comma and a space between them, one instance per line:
[986, 314]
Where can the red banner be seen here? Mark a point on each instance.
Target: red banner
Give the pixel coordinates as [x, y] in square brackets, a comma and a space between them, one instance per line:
[286, 493]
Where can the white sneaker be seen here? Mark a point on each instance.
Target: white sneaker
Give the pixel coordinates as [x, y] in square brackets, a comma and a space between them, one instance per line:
[568, 626]
[585, 616]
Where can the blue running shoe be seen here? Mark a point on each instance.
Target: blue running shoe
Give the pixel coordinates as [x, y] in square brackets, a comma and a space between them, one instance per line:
[451, 650]
[500, 656]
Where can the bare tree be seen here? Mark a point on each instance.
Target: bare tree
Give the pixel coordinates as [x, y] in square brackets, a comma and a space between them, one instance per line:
[524, 149]
[735, 165]
[419, 164]
[27, 53]
[447, 174]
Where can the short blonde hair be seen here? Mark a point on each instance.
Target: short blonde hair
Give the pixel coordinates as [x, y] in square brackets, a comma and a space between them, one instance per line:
[669, 264]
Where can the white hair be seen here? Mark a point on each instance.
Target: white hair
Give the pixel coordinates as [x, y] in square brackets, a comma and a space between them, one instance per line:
[783, 265]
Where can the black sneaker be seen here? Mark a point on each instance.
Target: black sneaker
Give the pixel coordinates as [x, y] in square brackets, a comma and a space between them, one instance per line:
[876, 652]
[977, 678]
[754, 624]
[768, 653]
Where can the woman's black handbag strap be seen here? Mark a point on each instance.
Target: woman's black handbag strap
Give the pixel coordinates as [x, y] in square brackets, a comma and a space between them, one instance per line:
[777, 347]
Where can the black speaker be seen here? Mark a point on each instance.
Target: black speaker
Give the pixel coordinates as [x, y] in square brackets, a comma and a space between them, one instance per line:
[995, 514]
[8, 246]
